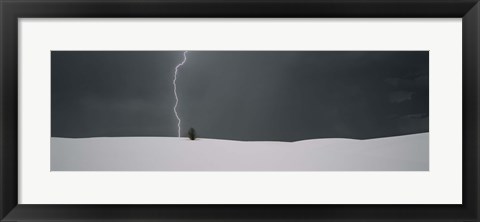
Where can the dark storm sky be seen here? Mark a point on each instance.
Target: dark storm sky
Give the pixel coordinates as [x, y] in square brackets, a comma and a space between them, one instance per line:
[241, 95]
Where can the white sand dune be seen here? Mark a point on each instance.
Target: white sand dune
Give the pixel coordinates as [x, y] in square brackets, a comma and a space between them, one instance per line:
[399, 153]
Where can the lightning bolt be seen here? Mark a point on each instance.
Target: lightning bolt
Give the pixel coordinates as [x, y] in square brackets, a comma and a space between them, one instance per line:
[175, 90]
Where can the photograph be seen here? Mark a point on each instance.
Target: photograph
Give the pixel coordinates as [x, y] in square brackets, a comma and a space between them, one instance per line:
[282, 110]
[191, 110]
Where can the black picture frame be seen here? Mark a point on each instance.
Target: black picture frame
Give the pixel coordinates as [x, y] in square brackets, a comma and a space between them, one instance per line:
[12, 10]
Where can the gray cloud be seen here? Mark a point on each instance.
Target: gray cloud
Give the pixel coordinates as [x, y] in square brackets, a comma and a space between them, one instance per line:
[400, 96]
[241, 95]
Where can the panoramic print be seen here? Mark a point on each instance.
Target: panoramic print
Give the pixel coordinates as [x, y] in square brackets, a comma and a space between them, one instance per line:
[239, 111]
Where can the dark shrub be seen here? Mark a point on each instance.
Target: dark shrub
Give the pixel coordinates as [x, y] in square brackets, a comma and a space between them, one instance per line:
[192, 134]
